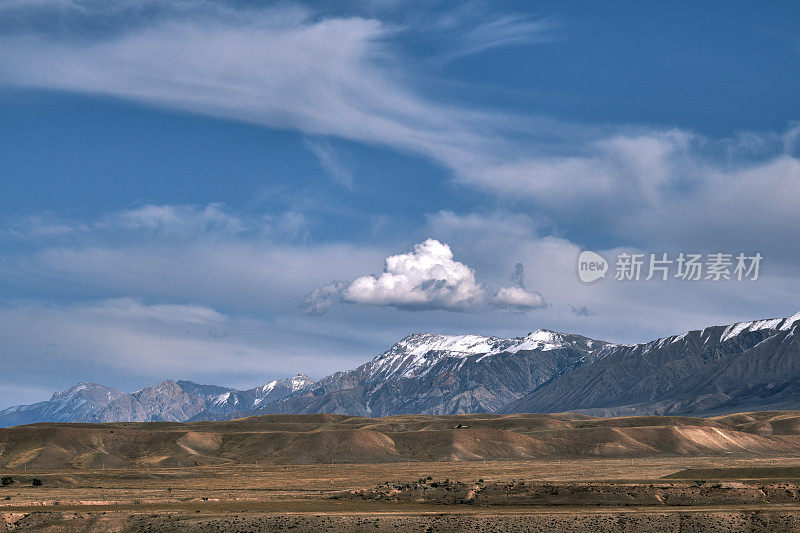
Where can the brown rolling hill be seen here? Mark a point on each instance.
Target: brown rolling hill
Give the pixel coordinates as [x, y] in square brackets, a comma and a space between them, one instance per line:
[322, 438]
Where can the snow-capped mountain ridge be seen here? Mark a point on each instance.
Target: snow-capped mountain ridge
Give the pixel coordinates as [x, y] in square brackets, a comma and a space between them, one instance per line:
[754, 364]
[417, 353]
[778, 324]
[724, 333]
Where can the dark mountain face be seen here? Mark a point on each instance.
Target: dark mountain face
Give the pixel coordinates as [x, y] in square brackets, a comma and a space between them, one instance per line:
[438, 374]
[746, 366]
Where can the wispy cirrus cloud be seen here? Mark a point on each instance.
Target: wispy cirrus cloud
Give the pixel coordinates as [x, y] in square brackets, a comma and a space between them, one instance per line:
[281, 67]
[332, 162]
[184, 252]
[496, 32]
[668, 188]
[342, 75]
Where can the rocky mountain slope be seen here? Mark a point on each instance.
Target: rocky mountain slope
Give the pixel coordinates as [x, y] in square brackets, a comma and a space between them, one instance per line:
[743, 366]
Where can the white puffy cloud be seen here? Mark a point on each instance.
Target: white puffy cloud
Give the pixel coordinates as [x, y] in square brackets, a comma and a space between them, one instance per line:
[518, 299]
[427, 277]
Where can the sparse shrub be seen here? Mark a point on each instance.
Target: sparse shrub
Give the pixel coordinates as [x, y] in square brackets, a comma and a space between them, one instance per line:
[36, 482]
[480, 480]
[7, 480]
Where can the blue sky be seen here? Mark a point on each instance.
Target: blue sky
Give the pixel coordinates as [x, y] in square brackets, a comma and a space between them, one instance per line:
[213, 190]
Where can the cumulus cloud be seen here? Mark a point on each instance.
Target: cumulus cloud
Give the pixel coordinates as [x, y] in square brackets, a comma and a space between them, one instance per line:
[427, 277]
[518, 299]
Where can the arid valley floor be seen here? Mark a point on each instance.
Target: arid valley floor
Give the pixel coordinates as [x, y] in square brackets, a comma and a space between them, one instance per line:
[406, 473]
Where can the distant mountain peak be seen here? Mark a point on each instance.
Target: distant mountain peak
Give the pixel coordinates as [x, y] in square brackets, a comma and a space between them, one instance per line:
[86, 389]
[415, 354]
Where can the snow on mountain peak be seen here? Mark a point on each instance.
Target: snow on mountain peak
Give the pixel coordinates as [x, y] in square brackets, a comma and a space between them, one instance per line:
[422, 343]
[541, 339]
[300, 381]
[268, 387]
[790, 322]
[416, 353]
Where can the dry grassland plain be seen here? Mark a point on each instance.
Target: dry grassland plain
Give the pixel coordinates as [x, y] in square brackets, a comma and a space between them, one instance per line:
[411, 473]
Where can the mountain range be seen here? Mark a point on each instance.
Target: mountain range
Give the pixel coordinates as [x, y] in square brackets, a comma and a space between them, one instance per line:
[718, 369]
[169, 401]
